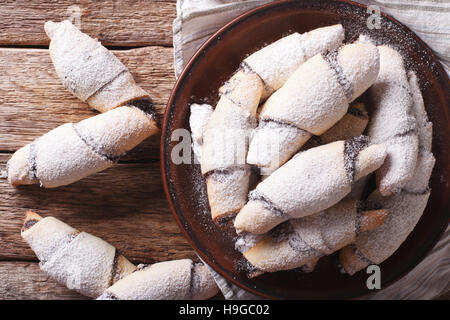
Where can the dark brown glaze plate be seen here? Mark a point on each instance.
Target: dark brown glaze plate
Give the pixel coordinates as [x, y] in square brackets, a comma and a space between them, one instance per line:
[216, 61]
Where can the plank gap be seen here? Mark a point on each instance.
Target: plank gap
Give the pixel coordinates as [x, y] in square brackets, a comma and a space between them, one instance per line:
[18, 259]
[109, 47]
[23, 46]
[138, 161]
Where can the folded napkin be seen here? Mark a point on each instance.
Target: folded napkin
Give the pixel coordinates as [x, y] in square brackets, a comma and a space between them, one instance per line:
[197, 20]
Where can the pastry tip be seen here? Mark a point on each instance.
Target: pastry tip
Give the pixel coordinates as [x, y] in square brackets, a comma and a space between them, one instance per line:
[31, 218]
[50, 28]
[372, 219]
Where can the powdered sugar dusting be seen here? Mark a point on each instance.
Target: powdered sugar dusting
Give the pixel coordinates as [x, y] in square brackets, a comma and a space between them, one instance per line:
[96, 65]
[84, 264]
[79, 260]
[391, 99]
[225, 144]
[325, 182]
[323, 176]
[277, 61]
[360, 64]
[117, 131]
[56, 232]
[405, 210]
[339, 225]
[227, 191]
[245, 241]
[224, 141]
[313, 99]
[71, 152]
[400, 162]
[392, 122]
[351, 125]
[419, 182]
[406, 207]
[309, 230]
[62, 157]
[304, 240]
[400, 137]
[200, 114]
[285, 253]
[273, 143]
[170, 280]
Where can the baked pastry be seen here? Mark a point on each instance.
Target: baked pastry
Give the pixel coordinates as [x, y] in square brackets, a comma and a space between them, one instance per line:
[310, 182]
[78, 260]
[352, 124]
[225, 142]
[73, 151]
[245, 241]
[94, 268]
[275, 63]
[314, 98]
[405, 208]
[88, 70]
[170, 280]
[198, 119]
[392, 122]
[225, 145]
[301, 242]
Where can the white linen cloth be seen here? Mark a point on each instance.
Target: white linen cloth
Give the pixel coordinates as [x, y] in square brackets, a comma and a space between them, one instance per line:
[197, 20]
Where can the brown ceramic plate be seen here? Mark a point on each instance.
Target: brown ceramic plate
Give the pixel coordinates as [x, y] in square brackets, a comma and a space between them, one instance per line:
[215, 62]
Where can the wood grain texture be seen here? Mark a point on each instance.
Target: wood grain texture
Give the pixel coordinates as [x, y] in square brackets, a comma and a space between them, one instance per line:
[33, 100]
[124, 205]
[25, 281]
[113, 22]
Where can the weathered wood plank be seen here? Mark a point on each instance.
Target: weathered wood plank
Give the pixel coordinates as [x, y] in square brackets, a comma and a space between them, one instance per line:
[124, 205]
[33, 100]
[113, 22]
[25, 281]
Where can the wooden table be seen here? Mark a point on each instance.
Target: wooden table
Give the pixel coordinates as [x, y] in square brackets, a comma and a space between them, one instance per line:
[125, 205]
